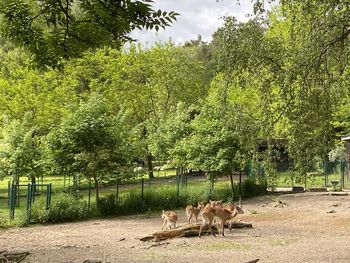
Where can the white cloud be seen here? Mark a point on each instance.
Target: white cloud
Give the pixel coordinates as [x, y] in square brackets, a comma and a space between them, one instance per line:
[197, 17]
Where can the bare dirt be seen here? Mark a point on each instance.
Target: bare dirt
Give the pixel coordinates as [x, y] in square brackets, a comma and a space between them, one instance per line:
[310, 227]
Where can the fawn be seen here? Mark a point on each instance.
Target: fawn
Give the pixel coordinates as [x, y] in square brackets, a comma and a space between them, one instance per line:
[223, 214]
[169, 219]
[191, 210]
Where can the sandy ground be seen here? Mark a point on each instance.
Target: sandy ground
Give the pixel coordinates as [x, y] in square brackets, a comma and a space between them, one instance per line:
[302, 231]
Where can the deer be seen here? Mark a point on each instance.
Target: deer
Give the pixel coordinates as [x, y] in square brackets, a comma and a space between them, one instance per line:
[232, 208]
[223, 214]
[169, 219]
[191, 210]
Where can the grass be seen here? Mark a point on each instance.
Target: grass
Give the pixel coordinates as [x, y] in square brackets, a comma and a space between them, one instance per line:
[280, 243]
[287, 179]
[227, 245]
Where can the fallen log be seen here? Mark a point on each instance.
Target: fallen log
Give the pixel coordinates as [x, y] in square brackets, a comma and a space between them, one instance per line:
[13, 256]
[188, 230]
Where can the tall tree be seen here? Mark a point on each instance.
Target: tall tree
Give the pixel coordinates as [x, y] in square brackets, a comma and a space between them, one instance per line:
[90, 142]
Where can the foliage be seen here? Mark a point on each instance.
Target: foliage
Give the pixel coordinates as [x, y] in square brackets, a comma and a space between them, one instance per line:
[165, 197]
[64, 208]
[20, 151]
[89, 142]
[53, 30]
[107, 205]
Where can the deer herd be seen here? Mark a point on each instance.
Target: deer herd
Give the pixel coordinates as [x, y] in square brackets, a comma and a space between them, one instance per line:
[210, 212]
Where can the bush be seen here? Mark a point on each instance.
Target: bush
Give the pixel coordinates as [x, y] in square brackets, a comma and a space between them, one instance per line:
[107, 205]
[64, 208]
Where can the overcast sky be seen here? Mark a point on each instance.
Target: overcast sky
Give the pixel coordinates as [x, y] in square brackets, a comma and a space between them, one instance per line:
[197, 17]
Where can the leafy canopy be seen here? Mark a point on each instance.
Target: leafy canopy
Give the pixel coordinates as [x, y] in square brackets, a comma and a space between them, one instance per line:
[55, 29]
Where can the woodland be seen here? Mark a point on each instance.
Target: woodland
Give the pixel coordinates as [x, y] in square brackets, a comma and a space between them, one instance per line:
[79, 97]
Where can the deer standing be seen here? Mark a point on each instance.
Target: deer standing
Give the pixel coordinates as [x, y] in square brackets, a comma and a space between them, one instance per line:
[169, 219]
[232, 208]
[194, 211]
[223, 214]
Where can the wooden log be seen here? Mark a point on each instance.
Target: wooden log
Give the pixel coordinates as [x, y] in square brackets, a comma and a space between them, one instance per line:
[175, 232]
[188, 230]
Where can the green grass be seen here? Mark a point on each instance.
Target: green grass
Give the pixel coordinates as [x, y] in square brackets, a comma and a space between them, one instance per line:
[227, 245]
[286, 179]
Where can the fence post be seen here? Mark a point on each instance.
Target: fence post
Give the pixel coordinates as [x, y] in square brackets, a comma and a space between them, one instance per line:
[342, 169]
[117, 194]
[47, 197]
[12, 201]
[142, 187]
[177, 189]
[17, 195]
[232, 187]
[240, 188]
[28, 203]
[89, 195]
[9, 194]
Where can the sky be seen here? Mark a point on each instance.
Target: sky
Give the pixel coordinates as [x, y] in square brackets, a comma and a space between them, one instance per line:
[197, 17]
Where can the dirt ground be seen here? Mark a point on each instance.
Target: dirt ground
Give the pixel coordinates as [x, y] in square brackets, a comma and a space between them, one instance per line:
[311, 227]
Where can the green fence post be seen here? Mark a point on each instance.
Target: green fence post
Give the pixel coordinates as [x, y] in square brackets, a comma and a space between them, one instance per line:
[28, 201]
[89, 195]
[9, 194]
[117, 194]
[142, 187]
[13, 201]
[17, 194]
[232, 187]
[342, 168]
[47, 197]
[177, 189]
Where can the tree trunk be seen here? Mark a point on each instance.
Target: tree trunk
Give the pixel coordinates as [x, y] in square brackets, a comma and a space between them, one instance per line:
[33, 181]
[149, 165]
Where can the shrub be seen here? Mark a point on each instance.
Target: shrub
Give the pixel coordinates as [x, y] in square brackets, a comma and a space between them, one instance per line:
[64, 208]
[107, 205]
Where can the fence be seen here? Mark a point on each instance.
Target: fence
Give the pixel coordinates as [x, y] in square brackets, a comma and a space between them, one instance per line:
[22, 196]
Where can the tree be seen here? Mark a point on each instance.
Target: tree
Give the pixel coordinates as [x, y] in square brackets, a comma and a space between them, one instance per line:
[147, 84]
[62, 29]
[90, 142]
[21, 153]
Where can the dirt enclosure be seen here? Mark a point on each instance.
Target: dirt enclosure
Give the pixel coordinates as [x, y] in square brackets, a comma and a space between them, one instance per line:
[308, 227]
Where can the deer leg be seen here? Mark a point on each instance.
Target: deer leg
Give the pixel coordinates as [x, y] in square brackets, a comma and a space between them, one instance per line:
[223, 227]
[201, 227]
[210, 227]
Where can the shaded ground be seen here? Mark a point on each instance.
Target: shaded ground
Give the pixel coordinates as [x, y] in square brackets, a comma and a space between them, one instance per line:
[301, 231]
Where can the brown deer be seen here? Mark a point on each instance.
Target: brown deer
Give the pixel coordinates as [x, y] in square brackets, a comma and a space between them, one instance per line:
[194, 211]
[169, 219]
[223, 214]
[232, 208]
